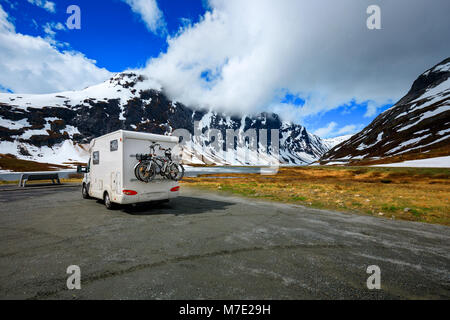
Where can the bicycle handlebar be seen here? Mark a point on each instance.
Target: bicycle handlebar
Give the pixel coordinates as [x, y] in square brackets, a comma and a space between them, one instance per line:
[153, 145]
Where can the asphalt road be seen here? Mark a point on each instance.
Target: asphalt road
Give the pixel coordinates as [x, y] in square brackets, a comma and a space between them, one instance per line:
[210, 246]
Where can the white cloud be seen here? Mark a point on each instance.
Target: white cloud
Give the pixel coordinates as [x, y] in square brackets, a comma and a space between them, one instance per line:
[349, 129]
[327, 131]
[33, 65]
[331, 130]
[5, 24]
[288, 112]
[372, 108]
[322, 51]
[150, 14]
[50, 27]
[47, 5]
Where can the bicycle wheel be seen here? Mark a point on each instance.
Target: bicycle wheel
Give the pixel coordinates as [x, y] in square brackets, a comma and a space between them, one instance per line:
[146, 171]
[136, 173]
[176, 171]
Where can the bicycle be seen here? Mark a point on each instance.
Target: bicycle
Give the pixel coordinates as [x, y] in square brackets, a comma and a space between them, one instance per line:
[151, 164]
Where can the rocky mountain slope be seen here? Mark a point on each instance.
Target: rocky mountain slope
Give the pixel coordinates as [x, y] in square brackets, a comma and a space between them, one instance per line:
[53, 127]
[417, 126]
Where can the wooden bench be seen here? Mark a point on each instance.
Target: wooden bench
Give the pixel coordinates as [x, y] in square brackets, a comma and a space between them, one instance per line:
[38, 176]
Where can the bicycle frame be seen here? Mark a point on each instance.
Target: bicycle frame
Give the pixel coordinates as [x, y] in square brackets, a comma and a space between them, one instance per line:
[161, 163]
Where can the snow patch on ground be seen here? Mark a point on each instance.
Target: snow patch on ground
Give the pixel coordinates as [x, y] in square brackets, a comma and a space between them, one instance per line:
[439, 162]
[17, 124]
[442, 132]
[407, 143]
[426, 115]
[440, 90]
[58, 154]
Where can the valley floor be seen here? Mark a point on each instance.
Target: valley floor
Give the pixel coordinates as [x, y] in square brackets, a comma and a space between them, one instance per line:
[414, 194]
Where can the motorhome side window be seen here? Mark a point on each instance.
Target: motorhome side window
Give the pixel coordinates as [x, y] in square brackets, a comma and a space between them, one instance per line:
[96, 157]
[113, 145]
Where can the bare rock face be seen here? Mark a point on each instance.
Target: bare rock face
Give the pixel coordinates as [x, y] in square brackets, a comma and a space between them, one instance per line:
[417, 125]
[133, 102]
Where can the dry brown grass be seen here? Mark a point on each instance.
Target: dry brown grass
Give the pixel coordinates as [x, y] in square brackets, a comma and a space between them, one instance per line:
[414, 194]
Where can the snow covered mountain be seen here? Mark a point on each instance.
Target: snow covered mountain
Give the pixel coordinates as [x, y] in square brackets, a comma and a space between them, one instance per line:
[417, 126]
[332, 142]
[54, 128]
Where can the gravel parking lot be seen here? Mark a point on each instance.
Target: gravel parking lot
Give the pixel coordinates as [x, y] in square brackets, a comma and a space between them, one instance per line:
[209, 246]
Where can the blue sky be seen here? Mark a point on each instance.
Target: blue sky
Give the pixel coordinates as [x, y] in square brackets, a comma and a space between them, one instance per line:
[237, 55]
[345, 119]
[110, 32]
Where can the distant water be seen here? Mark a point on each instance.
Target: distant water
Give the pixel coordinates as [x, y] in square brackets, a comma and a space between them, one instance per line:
[195, 171]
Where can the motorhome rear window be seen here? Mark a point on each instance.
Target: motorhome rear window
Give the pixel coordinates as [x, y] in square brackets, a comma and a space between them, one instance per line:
[113, 145]
[95, 157]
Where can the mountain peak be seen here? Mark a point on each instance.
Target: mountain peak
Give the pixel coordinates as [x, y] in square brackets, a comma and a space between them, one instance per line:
[36, 127]
[428, 80]
[416, 126]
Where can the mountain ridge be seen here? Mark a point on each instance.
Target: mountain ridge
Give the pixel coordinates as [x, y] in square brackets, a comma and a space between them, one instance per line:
[38, 127]
[417, 126]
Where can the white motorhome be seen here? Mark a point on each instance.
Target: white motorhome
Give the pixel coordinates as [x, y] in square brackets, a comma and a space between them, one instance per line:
[110, 176]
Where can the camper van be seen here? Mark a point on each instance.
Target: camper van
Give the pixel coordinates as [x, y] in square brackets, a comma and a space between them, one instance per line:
[110, 173]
